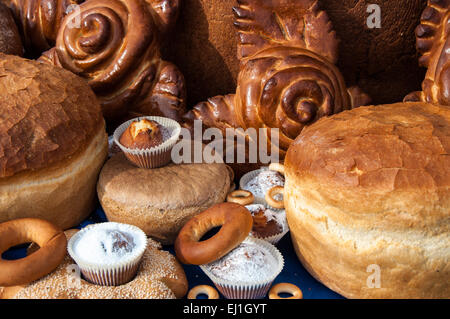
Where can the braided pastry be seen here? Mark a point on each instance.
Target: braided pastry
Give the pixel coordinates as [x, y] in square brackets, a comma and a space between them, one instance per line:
[287, 79]
[433, 44]
[39, 21]
[116, 48]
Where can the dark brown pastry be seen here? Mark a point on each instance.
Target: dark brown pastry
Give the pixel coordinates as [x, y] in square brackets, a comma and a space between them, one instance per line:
[117, 50]
[434, 46]
[287, 79]
[142, 134]
[39, 21]
[262, 227]
[10, 42]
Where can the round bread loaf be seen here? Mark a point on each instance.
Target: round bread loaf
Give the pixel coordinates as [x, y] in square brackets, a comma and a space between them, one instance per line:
[10, 42]
[367, 199]
[382, 62]
[161, 200]
[52, 143]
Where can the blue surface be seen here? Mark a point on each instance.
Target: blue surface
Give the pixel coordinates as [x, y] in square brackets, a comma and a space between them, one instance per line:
[293, 271]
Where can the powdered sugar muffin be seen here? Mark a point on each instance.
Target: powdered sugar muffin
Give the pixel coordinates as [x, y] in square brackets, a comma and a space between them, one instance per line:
[260, 181]
[246, 272]
[268, 224]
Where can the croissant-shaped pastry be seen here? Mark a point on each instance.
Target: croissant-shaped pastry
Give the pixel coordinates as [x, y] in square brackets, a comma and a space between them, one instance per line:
[433, 43]
[115, 46]
[287, 76]
[39, 21]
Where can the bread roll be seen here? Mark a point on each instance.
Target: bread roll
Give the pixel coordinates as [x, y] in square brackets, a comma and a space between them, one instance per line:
[52, 143]
[161, 200]
[10, 42]
[370, 188]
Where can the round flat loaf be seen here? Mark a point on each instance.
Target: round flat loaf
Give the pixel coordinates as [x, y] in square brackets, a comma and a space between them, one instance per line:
[161, 200]
[52, 143]
[368, 191]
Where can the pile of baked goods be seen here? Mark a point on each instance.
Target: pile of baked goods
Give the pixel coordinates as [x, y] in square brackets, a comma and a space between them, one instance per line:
[94, 115]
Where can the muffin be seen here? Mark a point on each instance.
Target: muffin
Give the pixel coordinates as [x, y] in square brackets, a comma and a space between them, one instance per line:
[108, 254]
[148, 141]
[246, 272]
[268, 224]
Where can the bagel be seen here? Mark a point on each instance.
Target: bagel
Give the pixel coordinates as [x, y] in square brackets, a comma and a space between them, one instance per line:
[270, 197]
[285, 287]
[203, 289]
[277, 167]
[47, 236]
[241, 197]
[236, 223]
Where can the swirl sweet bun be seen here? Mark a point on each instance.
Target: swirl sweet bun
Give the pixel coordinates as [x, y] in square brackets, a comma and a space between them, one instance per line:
[115, 46]
[369, 189]
[52, 143]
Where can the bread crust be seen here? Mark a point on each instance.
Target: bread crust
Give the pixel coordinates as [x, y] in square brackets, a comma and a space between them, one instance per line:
[160, 201]
[372, 186]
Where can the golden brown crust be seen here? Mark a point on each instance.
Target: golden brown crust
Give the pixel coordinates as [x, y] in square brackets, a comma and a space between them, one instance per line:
[160, 201]
[52, 249]
[50, 115]
[235, 223]
[117, 51]
[160, 277]
[371, 186]
[10, 42]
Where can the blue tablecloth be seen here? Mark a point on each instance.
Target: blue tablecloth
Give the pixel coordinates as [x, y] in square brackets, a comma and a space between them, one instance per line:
[293, 271]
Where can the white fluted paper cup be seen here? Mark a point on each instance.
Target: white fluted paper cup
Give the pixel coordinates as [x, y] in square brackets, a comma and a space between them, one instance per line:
[153, 157]
[253, 288]
[113, 274]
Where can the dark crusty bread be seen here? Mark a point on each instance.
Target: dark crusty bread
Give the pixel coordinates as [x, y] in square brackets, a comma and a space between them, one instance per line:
[10, 42]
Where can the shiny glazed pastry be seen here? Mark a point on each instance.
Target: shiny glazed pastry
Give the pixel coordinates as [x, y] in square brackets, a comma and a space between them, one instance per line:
[117, 51]
[52, 143]
[160, 276]
[371, 187]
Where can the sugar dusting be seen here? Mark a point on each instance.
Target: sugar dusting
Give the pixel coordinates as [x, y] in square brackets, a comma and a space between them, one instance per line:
[246, 263]
[156, 265]
[278, 215]
[263, 182]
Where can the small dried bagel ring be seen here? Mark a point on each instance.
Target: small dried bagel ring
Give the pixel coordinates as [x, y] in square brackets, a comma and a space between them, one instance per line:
[48, 237]
[203, 289]
[241, 196]
[285, 287]
[277, 167]
[270, 197]
[236, 223]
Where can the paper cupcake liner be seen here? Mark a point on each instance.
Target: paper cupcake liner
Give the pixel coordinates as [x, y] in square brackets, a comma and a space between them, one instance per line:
[154, 157]
[108, 275]
[247, 178]
[248, 290]
[275, 238]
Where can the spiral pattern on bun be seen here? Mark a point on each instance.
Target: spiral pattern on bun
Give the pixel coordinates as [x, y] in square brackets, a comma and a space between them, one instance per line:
[40, 20]
[114, 45]
[288, 88]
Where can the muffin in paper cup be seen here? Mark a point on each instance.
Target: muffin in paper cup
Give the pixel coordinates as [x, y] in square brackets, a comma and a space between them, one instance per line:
[98, 270]
[274, 239]
[245, 179]
[153, 157]
[252, 287]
